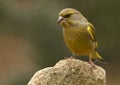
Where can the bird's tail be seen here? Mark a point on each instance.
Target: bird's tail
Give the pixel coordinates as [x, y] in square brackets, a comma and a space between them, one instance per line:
[96, 56]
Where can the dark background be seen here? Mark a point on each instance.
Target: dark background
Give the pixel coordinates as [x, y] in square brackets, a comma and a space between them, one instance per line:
[31, 39]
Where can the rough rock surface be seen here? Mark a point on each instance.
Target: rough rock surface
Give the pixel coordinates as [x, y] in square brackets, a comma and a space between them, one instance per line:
[70, 72]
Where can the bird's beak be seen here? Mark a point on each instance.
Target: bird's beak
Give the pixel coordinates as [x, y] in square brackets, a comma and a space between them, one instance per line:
[60, 19]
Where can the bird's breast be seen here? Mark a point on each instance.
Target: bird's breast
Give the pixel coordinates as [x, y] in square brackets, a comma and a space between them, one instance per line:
[77, 41]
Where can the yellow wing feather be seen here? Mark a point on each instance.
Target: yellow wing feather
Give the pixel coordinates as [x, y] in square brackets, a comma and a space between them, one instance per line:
[91, 31]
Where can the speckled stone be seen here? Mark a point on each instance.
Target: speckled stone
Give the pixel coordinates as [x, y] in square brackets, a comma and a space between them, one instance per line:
[70, 72]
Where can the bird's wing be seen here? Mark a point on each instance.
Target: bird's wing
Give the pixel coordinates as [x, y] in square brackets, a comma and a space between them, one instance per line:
[92, 33]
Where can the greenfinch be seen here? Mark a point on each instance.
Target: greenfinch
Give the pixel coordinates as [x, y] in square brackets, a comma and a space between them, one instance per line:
[79, 34]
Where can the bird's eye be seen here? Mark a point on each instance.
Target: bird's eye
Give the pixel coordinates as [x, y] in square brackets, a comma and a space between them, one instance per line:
[68, 15]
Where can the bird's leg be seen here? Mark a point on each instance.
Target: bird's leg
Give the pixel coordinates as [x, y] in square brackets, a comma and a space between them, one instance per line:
[91, 62]
[92, 65]
[73, 56]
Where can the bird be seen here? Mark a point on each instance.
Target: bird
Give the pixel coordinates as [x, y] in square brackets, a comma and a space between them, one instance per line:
[79, 34]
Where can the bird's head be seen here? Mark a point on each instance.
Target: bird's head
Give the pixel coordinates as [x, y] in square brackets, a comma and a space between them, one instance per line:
[70, 17]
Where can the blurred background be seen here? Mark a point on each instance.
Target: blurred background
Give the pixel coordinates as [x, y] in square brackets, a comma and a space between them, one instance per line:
[31, 39]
